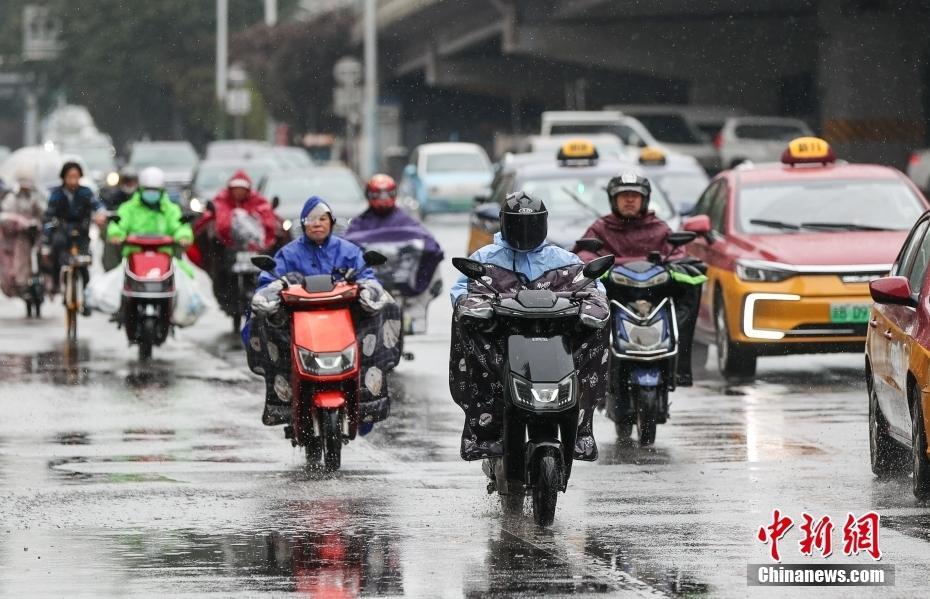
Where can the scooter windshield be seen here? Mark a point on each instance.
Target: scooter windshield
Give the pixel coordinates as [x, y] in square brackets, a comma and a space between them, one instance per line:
[540, 359]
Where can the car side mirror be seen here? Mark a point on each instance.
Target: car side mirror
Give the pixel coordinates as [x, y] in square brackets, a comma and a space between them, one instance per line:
[596, 268]
[470, 268]
[895, 291]
[373, 258]
[589, 244]
[265, 263]
[680, 238]
[699, 224]
[275, 202]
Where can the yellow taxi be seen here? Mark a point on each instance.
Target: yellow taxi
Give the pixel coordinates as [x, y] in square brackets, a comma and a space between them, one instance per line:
[791, 248]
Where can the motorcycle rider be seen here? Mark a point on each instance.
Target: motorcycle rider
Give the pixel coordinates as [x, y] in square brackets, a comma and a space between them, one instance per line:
[521, 247]
[149, 211]
[630, 232]
[216, 234]
[21, 210]
[267, 337]
[71, 207]
[128, 184]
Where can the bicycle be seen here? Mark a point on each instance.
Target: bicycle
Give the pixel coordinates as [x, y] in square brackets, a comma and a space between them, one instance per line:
[72, 285]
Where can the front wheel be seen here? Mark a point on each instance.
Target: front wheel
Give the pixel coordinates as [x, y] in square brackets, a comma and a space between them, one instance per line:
[237, 323]
[921, 464]
[647, 410]
[313, 452]
[546, 489]
[733, 360]
[624, 429]
[149, 330]
[885, 454]
[512, 504]
[331, 431]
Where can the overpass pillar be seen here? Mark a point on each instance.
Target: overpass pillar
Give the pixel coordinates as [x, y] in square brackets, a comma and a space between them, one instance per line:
[870, 81]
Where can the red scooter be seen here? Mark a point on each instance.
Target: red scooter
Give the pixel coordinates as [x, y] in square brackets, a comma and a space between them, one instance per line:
[148, 293]
[325, 358]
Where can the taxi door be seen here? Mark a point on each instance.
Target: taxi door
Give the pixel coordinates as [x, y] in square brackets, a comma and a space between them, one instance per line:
[712, 249]
[892, 334]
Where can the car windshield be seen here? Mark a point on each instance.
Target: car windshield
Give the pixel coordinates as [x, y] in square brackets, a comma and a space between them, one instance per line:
[670, 128]
[173, 156]
[827, 205]
[627, 134]
[465, 162]
[769, 131]
[339, 188]
[98, 159]
[214, 176]
[584, 196]
[683, 189]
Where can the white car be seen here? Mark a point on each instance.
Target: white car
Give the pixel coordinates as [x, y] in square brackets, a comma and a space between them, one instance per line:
[579, 123]
[670, 124]
[757, 138]
[444, 177]
[918, 169]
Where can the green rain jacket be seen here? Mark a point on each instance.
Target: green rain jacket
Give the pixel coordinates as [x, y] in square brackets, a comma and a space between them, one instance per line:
[137, 218]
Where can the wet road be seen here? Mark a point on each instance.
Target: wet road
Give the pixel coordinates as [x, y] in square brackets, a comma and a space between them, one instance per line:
[117, 480]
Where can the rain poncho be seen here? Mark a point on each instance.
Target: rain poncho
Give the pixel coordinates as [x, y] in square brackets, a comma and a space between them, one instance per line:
[138, 218]
[219, 222]
[477, 358]
[630, 239]
[19, 210]
[412, 252]
[376, 317]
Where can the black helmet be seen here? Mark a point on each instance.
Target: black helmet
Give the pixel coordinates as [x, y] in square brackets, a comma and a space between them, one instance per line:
[523, 221]
[629, 182]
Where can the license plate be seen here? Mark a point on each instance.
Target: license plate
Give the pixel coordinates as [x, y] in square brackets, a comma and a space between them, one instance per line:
[850, 313]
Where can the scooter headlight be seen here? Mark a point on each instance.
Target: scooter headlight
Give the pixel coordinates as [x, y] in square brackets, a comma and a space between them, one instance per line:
[544, 396]
[327, 363]
[644, 337]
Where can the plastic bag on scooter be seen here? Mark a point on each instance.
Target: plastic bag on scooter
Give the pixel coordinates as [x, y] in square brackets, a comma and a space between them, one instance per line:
[104, 293]
[189, 303]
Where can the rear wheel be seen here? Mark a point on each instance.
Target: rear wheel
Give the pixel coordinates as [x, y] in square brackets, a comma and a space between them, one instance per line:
[647, 409]
[624, 429]
[28, 308]
[921, 465]
[512, 504]
[546, 490]
[887, 457]
[331, 431]
[236, 322]
[149, 326]
[733, 360]
[314, 452]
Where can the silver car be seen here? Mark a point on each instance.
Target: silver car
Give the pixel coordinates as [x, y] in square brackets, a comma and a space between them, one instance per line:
[757, 138]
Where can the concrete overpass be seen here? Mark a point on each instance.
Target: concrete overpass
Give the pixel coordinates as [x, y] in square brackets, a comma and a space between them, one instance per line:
[856, 69]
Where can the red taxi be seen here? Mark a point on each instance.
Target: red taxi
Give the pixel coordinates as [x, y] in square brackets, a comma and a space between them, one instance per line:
[791, 249]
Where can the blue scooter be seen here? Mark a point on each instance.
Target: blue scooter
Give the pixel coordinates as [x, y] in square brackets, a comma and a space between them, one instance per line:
[644, 343]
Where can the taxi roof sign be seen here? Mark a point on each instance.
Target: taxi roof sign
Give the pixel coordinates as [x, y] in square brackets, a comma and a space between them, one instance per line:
[808, 150]
[577, 152]
[651, 156]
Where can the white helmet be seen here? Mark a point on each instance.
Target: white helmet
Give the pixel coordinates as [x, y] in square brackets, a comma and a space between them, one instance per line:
[152, 178]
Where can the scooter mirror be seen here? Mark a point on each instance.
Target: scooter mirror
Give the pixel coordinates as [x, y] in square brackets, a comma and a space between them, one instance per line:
[275, 202]
[589, 244]
[373, 258]
[211, 207]
[470, 268]
[597, 267]
[265, 263]
[680, 238]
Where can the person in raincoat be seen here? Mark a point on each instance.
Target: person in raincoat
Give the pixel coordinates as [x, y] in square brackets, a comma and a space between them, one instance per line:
[476, 356]
[630, 232]
[377, 317]
[21, 210]
[149, 212]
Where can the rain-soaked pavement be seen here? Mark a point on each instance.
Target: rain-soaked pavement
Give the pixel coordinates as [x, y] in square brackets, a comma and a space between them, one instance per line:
[118, 479]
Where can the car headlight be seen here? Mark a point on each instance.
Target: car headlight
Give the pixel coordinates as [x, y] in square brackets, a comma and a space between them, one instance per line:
[113, 179]
[196, 205]
[327, 363]
[552, 396]
[759, 270]
[287, 224]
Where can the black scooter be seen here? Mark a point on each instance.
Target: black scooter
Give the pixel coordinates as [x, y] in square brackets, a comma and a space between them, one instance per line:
[540, 388]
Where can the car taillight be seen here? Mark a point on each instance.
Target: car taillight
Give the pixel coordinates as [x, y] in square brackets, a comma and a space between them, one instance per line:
[915, 159]
[718, 140]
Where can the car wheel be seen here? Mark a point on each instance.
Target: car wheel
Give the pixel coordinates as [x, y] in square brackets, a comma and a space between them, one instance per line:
[921, 464]
[887, 456]
[733, 360]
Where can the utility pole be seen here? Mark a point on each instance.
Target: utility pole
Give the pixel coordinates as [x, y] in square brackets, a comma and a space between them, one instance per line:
[222, 60]
[271, 19]
[369, 164]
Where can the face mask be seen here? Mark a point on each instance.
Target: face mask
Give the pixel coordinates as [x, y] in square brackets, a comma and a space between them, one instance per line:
[151, 196]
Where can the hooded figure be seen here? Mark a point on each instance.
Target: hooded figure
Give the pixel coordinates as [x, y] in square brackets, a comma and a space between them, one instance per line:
[376, 317]
[21, 210]
[239, 195]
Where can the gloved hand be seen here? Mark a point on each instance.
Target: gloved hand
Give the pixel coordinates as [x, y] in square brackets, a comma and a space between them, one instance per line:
[372, 297]
[688, 272]
[268, 299]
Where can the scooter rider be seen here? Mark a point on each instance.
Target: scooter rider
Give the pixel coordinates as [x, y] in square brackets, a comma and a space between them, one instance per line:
[267, 338]
[128, 184]
[149, 211]
[21, 210]
[630, 232]
[521, 247]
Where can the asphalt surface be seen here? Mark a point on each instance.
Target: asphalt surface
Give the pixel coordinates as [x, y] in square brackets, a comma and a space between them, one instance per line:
[121, 479]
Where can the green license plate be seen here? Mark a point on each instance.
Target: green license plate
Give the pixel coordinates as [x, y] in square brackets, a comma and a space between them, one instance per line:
[850, 313]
